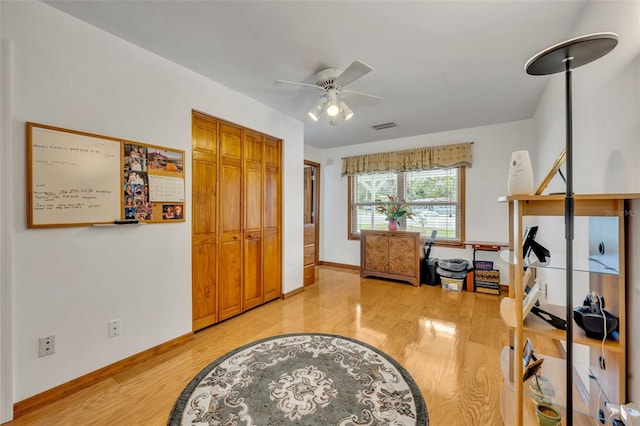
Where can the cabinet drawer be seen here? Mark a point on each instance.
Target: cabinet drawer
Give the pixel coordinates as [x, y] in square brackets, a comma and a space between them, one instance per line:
[309, 274]
[309, 255]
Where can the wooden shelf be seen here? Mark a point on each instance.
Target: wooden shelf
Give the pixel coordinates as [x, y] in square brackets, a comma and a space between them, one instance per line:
[536, 325]
[486, 246]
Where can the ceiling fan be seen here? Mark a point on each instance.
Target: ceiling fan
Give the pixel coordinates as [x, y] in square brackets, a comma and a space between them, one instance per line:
[331, 82]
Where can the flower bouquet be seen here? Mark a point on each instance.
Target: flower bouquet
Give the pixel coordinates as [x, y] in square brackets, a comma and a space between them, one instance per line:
[394, 210]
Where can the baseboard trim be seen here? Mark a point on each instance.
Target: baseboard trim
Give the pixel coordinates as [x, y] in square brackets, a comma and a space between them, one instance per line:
[27, 405]
[292, 293]
[339, 265]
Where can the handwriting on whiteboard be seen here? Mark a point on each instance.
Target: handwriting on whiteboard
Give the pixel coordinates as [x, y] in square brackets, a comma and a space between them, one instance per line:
[74, 178]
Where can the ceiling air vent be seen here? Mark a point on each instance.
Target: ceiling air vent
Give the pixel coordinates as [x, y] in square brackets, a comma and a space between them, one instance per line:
[385, 126]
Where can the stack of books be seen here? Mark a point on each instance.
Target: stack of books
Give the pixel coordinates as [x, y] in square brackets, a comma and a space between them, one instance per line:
[487, 279]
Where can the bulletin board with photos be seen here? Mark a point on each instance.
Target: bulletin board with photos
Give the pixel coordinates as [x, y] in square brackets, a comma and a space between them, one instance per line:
[153, 183]
[79, 179]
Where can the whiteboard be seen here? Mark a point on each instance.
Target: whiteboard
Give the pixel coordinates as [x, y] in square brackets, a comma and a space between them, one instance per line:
[73, 178]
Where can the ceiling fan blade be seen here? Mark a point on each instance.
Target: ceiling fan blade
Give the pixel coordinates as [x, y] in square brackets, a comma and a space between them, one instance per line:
[315, 86]
[356, 70]
[362, 94]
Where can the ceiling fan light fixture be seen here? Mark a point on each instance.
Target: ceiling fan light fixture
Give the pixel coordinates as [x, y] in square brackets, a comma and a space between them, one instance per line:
[347, 114]
[312, 114]
[315, 111]
[332, 104]
[331, 81]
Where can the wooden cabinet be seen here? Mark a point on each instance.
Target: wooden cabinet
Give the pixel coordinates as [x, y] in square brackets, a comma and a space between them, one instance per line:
[601, 242]
[391, 254]
[236, 247]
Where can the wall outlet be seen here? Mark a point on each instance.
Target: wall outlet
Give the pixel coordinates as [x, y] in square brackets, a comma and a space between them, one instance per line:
[114, 328]
[46, 346]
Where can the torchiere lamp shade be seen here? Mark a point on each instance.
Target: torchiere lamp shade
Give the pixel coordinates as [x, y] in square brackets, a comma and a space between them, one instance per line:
[581, 50]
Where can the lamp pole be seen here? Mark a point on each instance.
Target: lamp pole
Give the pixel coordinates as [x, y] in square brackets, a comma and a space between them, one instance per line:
[561, 57]
[568, 236]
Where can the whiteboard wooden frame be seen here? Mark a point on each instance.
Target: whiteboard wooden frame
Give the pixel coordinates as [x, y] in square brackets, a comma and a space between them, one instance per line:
[57, 156]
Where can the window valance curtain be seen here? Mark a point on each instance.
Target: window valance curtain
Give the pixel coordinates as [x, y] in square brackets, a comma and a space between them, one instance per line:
[432, 157]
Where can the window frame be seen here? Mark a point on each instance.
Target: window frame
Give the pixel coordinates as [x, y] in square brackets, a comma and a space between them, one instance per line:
[401, 178]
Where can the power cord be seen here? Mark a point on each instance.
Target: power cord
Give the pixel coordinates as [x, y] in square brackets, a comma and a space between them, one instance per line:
[599, 305]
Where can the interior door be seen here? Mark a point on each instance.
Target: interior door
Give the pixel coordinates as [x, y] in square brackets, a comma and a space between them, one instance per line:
[311, 184]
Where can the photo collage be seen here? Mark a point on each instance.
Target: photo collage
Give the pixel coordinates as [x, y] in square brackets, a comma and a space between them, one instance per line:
[136, 183]
[140, 199]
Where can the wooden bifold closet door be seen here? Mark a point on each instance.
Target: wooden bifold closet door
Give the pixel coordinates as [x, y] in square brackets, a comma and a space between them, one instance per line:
[236, 220]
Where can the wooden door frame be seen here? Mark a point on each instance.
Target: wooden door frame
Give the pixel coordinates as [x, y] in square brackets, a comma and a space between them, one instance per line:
[316, 204]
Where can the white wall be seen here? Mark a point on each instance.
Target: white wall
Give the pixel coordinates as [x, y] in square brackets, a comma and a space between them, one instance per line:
[6, 296]
[486, 219]
[70, 282]
[606, 125]
[311, 153]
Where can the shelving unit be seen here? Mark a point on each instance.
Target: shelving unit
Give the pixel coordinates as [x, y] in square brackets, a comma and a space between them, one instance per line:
[609, 281]
[485, 287]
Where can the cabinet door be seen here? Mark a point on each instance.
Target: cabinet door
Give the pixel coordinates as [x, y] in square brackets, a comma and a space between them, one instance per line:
[253, 209]
[272, 236]
[376, 252]
[230, 223]
[403, 250]
[204, 238]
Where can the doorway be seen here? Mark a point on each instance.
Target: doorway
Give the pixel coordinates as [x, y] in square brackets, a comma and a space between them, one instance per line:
[311, 220]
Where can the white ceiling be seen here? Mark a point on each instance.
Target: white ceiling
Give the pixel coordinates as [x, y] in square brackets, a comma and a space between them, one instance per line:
[439, 65]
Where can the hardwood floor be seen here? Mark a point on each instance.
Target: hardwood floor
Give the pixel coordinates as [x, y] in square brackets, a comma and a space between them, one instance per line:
[449, 342]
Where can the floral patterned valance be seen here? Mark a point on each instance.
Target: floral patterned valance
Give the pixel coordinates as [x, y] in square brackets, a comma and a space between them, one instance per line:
[432, 157]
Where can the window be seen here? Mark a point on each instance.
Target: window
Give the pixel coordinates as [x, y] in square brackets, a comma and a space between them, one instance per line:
[436, 198]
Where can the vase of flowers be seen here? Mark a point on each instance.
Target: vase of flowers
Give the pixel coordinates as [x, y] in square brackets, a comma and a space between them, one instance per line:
[394, 210]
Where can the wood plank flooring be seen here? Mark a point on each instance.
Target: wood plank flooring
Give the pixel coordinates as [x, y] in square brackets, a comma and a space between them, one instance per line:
[449, 342]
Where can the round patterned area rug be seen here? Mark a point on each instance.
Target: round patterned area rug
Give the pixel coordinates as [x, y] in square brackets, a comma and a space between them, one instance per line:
[302, 379]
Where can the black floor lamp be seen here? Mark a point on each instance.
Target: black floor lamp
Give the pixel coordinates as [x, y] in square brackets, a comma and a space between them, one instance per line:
[566, 56]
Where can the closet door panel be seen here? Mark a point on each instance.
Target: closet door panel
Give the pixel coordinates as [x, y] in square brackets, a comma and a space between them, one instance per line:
[230, 258]
[204, 243]
[272, 265]
[253, 200]
[253, 294]
[272, 233]
[204, 306]
[204, 197]
[253, 212]
[230, 277]
[230, 200]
